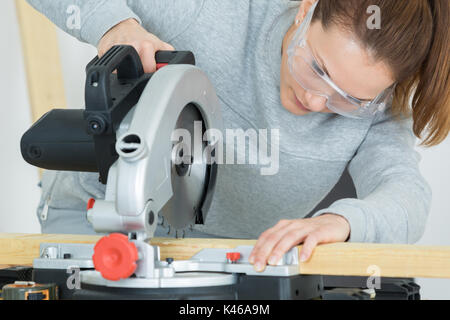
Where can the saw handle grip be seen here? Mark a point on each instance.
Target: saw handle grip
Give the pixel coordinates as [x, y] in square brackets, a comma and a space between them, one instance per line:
[99, 71]
[127, 62]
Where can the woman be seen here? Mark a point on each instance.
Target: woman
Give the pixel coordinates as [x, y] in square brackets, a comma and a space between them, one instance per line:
[336, 89]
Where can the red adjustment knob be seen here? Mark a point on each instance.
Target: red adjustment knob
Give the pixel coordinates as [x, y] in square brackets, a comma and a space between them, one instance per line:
[115, 257]
[233, 256]
[90, 204]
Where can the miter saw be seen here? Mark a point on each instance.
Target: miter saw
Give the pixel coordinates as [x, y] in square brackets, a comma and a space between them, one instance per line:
[126, 134]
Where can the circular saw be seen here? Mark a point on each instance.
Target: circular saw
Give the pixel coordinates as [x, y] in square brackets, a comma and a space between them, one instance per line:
[147, 135]
[152, 138]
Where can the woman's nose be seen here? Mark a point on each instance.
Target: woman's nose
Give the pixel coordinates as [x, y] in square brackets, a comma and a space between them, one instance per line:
[315, 102]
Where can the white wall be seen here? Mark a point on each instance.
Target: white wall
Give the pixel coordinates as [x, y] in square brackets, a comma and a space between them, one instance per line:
[75, 55]
[435, 167]
[19, 193]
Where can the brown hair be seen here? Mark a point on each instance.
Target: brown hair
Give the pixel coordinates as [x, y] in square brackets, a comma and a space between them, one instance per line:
[414, 41]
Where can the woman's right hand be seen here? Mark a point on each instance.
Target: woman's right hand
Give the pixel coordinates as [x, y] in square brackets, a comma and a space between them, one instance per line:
[130, 32]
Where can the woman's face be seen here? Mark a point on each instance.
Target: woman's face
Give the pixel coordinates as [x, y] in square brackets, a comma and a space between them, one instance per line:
[348, 65]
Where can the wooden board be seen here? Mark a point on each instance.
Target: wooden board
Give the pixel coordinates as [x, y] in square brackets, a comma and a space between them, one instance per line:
[351, 259]
[42, 60]
[391, 260]
[4, 266]
[21, 249]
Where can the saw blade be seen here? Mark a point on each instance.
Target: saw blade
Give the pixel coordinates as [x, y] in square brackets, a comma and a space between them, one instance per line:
[188, 175]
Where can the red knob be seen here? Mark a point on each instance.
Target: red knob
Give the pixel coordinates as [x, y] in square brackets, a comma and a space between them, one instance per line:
[90, 204]
[233, 256]
[115, 257]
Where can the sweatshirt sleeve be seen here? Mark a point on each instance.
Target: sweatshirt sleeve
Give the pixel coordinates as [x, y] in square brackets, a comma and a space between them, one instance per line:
[166, 19]
[95, 17]
[393, 198]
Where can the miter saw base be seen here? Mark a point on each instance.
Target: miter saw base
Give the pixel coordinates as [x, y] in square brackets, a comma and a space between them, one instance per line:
[212, 274]
[299, 287]
[334, 287]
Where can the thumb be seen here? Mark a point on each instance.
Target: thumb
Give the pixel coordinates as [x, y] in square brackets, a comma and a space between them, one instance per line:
[165, 46]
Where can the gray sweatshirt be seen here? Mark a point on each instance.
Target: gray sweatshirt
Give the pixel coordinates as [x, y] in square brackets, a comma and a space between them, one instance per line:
[237, 43]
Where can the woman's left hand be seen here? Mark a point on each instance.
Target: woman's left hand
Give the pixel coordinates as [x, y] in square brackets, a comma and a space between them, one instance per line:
[276, 241]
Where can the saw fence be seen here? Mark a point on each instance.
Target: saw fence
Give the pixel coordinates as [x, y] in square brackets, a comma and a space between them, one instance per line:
[344, 259]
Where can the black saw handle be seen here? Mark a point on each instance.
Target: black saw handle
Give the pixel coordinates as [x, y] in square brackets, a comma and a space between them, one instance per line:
[84, 140]
[104, 89]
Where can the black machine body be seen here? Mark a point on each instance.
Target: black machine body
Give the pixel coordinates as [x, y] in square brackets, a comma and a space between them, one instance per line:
[84, 140]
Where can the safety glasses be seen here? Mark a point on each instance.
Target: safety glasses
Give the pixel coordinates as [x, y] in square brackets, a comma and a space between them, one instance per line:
[307, 72]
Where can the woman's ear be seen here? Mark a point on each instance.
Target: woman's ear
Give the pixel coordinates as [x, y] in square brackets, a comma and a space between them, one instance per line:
[303, 10]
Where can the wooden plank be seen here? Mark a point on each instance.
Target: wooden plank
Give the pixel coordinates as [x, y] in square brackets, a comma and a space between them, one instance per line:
[21, 249]
[5, 266]
[351, 259]
[42, 60]
[391, 260]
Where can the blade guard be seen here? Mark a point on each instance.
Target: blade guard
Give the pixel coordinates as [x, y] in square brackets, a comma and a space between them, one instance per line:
[143, 167]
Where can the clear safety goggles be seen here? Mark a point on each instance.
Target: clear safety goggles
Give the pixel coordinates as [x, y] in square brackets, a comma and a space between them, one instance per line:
[307, 72]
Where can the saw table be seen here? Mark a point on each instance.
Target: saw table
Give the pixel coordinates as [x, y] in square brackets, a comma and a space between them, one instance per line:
[346, 266]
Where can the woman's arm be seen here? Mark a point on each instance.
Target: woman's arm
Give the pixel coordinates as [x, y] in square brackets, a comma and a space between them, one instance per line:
[145, 24]
[393, 198]
[392, 206]
[95, 17]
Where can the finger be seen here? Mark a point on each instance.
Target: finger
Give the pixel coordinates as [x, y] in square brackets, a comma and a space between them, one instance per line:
[262, 255]
[260, 243]
[263, 237]
[309, 244]
[103, 49]
[168, 47]
[147, 54]
[290, 240]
